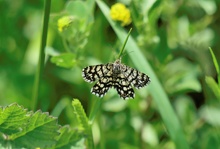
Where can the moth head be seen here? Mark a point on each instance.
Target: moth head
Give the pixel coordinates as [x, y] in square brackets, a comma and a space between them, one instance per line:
[117, 67]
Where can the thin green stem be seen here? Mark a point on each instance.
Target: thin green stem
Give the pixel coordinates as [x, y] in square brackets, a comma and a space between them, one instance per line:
[94, 110]
[66, 47]
[123, 47]
[41, 55]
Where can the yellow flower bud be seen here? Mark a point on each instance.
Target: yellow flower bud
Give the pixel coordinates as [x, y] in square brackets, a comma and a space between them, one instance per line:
[64, 22]
[120, 13]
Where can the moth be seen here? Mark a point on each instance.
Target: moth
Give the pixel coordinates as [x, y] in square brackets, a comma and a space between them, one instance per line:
[117, 75]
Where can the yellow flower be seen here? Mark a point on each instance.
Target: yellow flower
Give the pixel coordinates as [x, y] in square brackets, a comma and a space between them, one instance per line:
[120, 13]
[64, 22]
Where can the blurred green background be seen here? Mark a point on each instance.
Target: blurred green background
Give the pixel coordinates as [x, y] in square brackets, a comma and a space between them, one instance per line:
[174, 36]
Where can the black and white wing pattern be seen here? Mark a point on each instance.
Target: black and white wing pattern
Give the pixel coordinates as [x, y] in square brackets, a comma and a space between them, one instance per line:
[93, 73]
[135, 77]
[123, 87]
[116, 75]
[102, 86]
[102, 73]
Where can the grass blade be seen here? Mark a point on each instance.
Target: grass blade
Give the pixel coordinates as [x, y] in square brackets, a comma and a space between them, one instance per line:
[41, 56]
[215, 64]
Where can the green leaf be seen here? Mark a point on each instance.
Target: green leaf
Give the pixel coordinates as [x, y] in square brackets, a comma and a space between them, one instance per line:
[17, 126]
[70, 138]
[66, 60]
[186, 110]
[181, 79]
[166, 111]
[80, 113]
[213, 86]
[210, 115]
[83, 120]
[12, 118]
[78, 8]
[40, 131]
[20, 128]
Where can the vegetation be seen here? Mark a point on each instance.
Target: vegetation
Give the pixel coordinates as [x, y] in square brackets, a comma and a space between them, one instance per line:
[45, 103]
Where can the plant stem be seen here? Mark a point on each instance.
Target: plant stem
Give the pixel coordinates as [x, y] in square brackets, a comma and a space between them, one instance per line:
[94, 110]
[41, 55]
[123, 47]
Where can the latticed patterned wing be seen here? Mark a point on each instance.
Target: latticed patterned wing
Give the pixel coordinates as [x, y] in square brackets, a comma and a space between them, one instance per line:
[93, 73]
[102, 86]
[116, 75]
[135, 77]
[123, 87]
